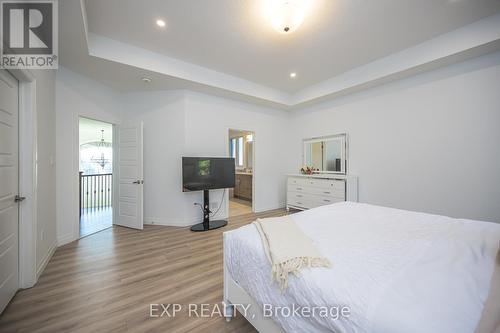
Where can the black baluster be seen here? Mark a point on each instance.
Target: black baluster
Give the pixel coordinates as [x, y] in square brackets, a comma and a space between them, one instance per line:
[107, 191]
[94, 186]
[100, 191]
[89, 195]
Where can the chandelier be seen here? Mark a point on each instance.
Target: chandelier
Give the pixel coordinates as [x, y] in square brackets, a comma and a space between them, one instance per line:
[100, 157]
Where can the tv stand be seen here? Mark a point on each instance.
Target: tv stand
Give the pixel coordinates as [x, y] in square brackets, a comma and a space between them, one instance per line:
[207, 224]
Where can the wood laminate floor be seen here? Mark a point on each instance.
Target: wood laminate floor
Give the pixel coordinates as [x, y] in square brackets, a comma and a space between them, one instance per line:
[239, 207]
[106, 282]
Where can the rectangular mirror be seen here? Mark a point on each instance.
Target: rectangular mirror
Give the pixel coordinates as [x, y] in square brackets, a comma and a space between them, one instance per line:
[326, 154]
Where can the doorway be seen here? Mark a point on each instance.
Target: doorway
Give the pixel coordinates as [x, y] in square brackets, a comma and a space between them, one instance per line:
[95, 175]
[241, 148]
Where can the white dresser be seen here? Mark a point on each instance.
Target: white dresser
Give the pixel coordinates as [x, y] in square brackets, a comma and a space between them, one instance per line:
[309, 191]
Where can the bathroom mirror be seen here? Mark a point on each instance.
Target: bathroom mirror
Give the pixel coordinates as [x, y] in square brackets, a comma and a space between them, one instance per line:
[327, 154]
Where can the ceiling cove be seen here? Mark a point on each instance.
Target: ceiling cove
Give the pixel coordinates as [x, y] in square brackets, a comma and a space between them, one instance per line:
[467, 41]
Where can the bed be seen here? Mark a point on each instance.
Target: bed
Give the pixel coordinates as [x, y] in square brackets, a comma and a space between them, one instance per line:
[396, 271]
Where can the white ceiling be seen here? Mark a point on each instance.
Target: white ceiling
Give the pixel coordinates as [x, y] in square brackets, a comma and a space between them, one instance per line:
[224, 47]
[232, 37]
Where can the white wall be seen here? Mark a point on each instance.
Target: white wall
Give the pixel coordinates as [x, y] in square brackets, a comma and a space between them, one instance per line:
[179, 123]
[208, 120]
[76, 96]
[176, 124]
[45, 167]
[163, 115]
[428, 143]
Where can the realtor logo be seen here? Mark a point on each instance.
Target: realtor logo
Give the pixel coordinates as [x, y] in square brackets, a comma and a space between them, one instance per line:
[29, 34]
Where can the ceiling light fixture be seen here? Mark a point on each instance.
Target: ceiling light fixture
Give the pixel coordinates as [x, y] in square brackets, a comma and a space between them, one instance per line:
[100, 157]
[286, 15]
[146, 80]
[161, 23]
[292, 75]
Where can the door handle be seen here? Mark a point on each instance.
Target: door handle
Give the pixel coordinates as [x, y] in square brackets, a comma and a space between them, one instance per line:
[18, 198]
[138, 182]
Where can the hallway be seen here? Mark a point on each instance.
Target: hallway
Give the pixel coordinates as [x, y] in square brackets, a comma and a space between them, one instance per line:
[95, 220]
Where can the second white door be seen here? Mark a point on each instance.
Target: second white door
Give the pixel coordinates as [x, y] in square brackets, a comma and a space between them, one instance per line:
[130, 176]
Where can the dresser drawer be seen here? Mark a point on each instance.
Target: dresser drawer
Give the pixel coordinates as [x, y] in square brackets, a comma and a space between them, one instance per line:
[327, 192]
[298, 195]
[327, 183]
[300, 202]
[320, 201]
[295, 181]
[298, 188]
[308, 200]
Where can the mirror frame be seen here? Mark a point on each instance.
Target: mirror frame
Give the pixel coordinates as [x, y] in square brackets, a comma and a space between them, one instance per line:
[342, 137]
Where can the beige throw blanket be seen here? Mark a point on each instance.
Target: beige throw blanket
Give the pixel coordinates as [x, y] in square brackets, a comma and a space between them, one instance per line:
[287, 248]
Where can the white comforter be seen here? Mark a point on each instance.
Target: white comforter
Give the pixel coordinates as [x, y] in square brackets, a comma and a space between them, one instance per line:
[397, 271]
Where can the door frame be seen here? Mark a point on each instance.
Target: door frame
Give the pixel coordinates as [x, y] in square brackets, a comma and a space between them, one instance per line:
[76, 166]
[254, 166]
[27, 176]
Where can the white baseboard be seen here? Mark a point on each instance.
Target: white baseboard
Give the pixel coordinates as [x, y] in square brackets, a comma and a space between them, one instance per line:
[179, 223]
[265, 209]
[65, 239]
[45, 260]
[171, 223]
[187, 223]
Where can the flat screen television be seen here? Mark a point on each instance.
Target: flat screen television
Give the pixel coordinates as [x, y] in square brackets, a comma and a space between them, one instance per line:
[207, 173]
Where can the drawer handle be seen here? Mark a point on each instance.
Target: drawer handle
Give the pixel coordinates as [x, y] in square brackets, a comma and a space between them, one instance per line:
[299, 203]
[326, 192]
[299, 188]
[326, 200]
[299, 195]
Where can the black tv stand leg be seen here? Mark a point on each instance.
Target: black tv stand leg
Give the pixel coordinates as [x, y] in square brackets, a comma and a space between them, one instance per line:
[207, 224]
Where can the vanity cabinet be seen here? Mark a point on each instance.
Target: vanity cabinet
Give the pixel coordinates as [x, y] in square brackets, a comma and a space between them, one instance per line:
[243, 186]
[310, 191]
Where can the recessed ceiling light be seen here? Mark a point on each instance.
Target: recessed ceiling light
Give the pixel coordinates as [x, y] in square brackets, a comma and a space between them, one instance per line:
[161, 23]
[146, 80]
[292, 75]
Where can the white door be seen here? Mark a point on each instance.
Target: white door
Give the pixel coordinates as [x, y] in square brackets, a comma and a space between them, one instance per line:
[9, 186]
[130, 176]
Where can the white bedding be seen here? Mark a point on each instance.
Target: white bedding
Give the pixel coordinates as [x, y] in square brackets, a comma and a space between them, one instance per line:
[397, 271]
